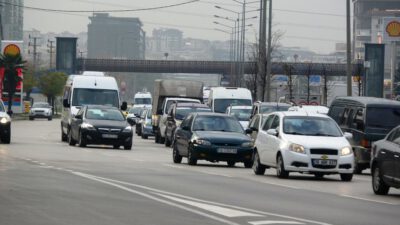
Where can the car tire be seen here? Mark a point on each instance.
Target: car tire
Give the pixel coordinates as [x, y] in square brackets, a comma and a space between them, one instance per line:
[50, 118]
[280, 168]
[175, 155]
[157, 138]
[115, 146]
[31, 118]
[128, 147]
[248, 164]
[319, 175]
[346, 176]
[82, 140]
[144, 136]
[258, 168]
[231, 163]
[378, 185]
[191, 158]
[64, 137]
[71, 140]
[162, 140]
[358, 168]
[6, 138]
[167, 141]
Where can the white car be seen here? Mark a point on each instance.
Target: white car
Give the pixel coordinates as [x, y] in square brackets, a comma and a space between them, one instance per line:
[310, 109]
[241, 113]
[303, 142]
[41, 110]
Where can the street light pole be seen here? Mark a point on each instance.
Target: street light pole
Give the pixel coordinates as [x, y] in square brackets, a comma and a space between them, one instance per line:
[268, 80]
[348, 36]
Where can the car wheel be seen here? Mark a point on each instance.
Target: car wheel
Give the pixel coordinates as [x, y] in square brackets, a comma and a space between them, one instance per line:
[248, 164]
[319, 175]
[82, 140]
[280, 168]
[31, 118]
[50, 118]
[162, 140]
[64, 137]
[139, 132]
[71, 140]
[115, 146]
[346, 176]
[231, 163]
[157, 138]
[167, 141]
[378, 185]
[258, 168]
[128, 147]
[357, 168]
[175, 155]
[191, 158]
[6, 138]
[144, 136]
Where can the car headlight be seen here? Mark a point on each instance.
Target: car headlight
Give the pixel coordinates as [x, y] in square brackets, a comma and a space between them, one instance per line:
[4, 120]
[127, 129]
[247, 144]
[202, 142]
[87, 126]
[297, 148]
[346, 151]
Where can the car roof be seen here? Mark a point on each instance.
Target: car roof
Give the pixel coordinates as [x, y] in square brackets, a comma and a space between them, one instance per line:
[301, 113]
[273, 103]
[370, 101]
[240, 107]
[211, 114]
[192, 104]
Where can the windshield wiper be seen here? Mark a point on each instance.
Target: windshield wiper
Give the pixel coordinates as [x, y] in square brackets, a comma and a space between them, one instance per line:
[295, 133]
[322, 134]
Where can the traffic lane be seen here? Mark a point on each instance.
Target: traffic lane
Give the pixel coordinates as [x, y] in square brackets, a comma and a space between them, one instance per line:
[32, 193]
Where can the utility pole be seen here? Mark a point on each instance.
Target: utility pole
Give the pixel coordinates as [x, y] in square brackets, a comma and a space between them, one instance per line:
[50, 45]
[262, 49]
[35, 53]
[348, 36]
[1, 22]
[268, 80]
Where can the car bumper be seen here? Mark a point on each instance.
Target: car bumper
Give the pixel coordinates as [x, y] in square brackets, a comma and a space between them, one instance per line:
[297, 162]
[4, 129]
[211, 153]
[148, 131]
[40, 115]
[95, 137]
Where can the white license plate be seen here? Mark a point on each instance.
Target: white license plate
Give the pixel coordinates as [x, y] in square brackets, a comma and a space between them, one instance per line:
[111, 136]
[325, 162]
[227, 150]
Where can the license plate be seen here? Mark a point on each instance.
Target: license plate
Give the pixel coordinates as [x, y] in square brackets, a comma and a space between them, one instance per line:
[112, 136]
[325, 162]
[227, 150]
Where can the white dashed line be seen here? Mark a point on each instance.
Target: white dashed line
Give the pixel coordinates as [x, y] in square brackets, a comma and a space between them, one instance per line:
[366, 199]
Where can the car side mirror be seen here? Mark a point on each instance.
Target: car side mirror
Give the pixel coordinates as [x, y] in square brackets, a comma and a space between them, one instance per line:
[78, 117]
[348, 135]
[124, 106]
[131, 121]
[66, 104]
[273, 132]
[249, 131]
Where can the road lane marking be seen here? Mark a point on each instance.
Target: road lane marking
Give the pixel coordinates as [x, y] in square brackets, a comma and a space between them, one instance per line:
[209, 202]
[87, 176]
[213, 208]
[266, 222]
[276, 184]
[198, 171]
[366, 199]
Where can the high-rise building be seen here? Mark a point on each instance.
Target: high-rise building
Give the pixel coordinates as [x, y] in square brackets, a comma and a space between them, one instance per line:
[115, 37]
[168, 40]
[11, 16]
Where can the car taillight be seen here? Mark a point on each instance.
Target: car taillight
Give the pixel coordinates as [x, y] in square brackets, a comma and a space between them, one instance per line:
[365, 143]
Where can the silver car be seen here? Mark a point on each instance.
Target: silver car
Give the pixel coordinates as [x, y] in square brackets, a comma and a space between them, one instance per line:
[41, 110]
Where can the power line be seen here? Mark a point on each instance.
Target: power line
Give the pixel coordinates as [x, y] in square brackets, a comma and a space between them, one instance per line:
[101, 11]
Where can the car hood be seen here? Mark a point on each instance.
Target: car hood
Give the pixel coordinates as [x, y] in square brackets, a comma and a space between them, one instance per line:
[4, 114]
[318, 141]
[216, 137]
[44, 109]
[108, 123]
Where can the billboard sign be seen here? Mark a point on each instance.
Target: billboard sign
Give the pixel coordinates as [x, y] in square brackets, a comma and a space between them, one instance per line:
[391, 29]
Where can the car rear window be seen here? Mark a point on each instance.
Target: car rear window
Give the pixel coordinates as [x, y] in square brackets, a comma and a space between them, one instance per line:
[383, 117]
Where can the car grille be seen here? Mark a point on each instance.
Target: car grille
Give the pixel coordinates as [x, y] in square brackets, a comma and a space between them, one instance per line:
[109, 130]
[39, 111]
[225, 144]
[317, 151]
[324, 166]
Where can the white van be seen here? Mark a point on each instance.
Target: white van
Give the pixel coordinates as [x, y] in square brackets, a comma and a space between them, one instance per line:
[222, 97]
[95, 89]
[142, 99]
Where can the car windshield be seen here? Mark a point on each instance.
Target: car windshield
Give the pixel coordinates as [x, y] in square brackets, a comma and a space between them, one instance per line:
[95, 97]
[241, 114]
[182, 112]
[170, 102]
[311, 126]
[40, 105]
[217, 123]
[272, 108]
[104, 114]
[142, 101]
[220, 105]
[383, 117]
[135, 110]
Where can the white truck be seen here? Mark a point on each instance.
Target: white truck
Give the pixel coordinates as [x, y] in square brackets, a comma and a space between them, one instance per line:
[222, 97]
[90, 88]
[167, 92]
[142, 99]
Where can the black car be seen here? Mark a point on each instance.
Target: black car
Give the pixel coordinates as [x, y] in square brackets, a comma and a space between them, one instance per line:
[177, 112]
[5, 125]
[369, 119]
[100, 125]
[212, 137]
[385, 163]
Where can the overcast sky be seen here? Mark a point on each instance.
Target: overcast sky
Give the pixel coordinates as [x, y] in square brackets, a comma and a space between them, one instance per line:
[313, 24]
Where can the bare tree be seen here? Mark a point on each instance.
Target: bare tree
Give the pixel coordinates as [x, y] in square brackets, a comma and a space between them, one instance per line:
[289, 71]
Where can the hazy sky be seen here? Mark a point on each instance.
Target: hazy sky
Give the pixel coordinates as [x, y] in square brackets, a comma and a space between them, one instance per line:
[313, 24]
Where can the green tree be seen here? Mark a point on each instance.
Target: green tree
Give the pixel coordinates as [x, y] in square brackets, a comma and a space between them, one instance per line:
[51, 84]
[30, 81]
[11, 63]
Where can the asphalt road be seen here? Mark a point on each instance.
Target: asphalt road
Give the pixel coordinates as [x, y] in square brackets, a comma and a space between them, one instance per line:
[44, 181]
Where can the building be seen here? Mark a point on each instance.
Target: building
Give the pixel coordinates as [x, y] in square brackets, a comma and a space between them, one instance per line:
[166, 40]
[12, 19]
[115, 37]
